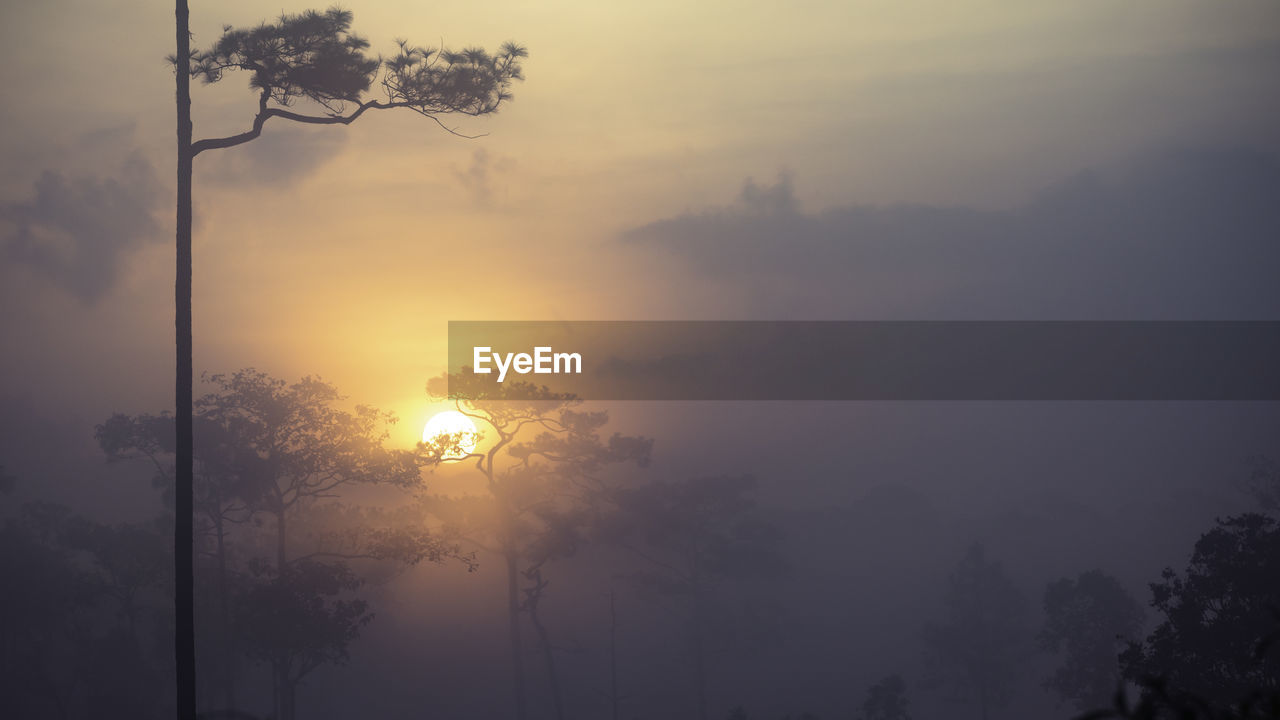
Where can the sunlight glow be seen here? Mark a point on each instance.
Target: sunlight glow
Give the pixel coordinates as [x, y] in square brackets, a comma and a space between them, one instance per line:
[448, 423]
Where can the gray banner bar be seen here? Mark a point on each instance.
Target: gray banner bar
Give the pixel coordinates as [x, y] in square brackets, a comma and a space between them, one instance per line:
[1050, 360]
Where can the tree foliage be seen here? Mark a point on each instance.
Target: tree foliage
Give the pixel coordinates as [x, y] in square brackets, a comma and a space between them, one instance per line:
[978, 647]
[277, 544]
[886, 700]
[294, 442]
[88, 622]
[697, 533]
[694, 537]
[1221, 617]
[545, 464]
[304, 619]
[266, 446]
[1087, 620]
[314, 56]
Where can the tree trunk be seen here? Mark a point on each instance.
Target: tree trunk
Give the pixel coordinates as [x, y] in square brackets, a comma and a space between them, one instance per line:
[281, 557]
[548, 653]
[517, 644]
[224, 609]
[184, 530]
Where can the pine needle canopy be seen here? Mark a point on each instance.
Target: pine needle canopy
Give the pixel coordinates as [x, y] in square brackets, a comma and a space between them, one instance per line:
[311, 55]
[314, 55]
[471, 82]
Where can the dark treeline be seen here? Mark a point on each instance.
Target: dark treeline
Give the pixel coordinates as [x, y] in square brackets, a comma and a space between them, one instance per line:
[303, 511]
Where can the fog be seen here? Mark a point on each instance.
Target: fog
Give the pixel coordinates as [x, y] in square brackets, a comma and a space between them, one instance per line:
[724, 560]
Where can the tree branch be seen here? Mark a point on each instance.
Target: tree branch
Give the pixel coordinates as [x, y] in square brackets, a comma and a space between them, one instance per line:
[265, 114]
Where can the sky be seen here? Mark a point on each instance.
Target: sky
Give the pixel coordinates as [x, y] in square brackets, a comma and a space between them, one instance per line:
[343, 251]
[665, 160]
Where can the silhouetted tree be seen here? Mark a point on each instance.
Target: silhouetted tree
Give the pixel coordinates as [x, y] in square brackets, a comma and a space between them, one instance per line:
[129, 565]
[311, 56]
[224, 495]
[978, 646]
[86, 616]
[184, 443]
[40, 634]
[304, 617]
[1220, 617]
[1087, 620]
[694, 535]
[298, 447]
[886, 700]
[1157, 702]
[286, 451]
[543, 464]
[131, 560]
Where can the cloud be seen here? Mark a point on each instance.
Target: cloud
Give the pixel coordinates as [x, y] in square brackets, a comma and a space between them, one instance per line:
[478, 178]
[283, 154]
[1191, 234]
[77, 231]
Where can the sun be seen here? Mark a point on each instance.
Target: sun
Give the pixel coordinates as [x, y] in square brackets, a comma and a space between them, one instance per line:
[452, 422]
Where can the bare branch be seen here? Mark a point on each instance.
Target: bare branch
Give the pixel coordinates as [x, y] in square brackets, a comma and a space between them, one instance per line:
[267, 113]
